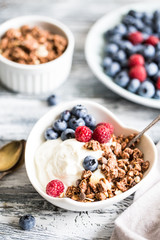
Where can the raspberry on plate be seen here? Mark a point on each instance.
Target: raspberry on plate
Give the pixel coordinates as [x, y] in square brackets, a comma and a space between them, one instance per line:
[83, 134]
[138, 72]
[158, 83]
[107, 125]
[135, 37]
[136, 59]
[102, 134]
[153, 40]
[54, 188]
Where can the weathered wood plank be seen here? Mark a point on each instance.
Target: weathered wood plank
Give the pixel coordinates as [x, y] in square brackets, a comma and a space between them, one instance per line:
[18, 114]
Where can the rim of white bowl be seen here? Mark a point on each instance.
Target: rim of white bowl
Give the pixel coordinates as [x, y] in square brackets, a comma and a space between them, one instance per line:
[45, 19]
[97, 204]
[97, 69]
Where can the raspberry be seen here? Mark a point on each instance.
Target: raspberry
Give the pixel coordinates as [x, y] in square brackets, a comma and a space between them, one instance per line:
[136, 59]
[158, 83]
[138, 72]
[152, 40]
[83, 134]
[54, 188]
[102, 134]
[107, 125]
[135, 37]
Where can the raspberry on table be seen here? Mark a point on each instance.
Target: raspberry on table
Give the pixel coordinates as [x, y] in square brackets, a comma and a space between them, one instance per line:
[136, 59]
[107, 125]
[153, 40]
[101, 134]
[83, 134]
[138, 72]
[55, 188]
[136, 37]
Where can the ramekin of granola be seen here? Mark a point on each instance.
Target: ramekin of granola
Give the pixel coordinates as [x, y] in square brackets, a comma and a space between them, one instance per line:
[35, 54]
[77, 157]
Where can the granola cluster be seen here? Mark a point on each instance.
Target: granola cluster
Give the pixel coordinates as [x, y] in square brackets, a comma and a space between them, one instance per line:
[31, 45]
[122, 167]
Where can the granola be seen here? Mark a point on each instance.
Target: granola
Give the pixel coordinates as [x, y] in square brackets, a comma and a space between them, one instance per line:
[31, 45]
[121, 166]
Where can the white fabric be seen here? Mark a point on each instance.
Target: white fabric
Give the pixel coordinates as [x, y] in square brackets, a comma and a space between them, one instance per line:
[141, 220]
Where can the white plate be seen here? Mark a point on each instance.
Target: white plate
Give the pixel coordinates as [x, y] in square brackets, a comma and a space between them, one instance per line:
[94, 49]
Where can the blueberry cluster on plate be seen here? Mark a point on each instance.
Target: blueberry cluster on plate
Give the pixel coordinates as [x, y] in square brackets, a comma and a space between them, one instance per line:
[69, 120]
[137, 34]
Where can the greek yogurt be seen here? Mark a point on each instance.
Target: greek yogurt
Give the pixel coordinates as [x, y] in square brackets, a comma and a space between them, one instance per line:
[57, 159]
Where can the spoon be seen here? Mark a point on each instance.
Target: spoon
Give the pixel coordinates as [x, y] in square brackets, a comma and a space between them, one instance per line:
[139, 135]
[19, 162]
[9, 155]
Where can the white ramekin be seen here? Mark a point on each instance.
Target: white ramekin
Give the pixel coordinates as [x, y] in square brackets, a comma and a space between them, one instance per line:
[42, 78]
[102, 114]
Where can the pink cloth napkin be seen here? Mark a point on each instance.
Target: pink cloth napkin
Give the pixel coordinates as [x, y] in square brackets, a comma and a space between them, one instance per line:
[141, 220]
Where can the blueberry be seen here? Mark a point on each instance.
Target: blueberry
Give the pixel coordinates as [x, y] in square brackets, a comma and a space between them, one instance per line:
[108, 34]
[106, 62]
[155, 77]
[158, 46]
[67, 134]
[111, 49]
[139, 24]
[51, 134]
[151, 69]
[146, 89]
[148, 51]
[66, 115]
[114, 38]
[113, 69]
[157, 94]
[90, 163]
[127, 46]
[136, 14]
[90, 121]
[138, 48]
[52, 100]
[120, 29]
[122, 79]
[133, 85]
[157, 57]
[156, 27]
[60, 125]
[79, 111]
[27, 222]
[147, 19]
[132, 29]
[120, 56]
[74, 123]
[156, 15]
[128, 20]
[145, 35]
[148, 31]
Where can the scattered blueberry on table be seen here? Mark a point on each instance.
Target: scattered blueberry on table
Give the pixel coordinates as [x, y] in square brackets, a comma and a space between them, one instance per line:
[52, 100]
[27, 222]
[132, 53]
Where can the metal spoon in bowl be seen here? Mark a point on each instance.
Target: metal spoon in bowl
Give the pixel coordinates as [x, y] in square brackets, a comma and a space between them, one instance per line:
[139, 135]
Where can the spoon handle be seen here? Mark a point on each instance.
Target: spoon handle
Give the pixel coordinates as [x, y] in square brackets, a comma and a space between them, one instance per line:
[4, 174]
[139, 135]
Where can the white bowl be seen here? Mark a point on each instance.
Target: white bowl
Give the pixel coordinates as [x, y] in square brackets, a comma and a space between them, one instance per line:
[36, 138]
[36, 79]
[94, 50]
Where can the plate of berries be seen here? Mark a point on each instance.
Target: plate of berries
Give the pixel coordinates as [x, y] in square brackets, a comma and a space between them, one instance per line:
[123, 51]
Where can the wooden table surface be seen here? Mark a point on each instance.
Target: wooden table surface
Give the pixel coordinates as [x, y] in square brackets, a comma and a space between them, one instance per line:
[19, 112]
